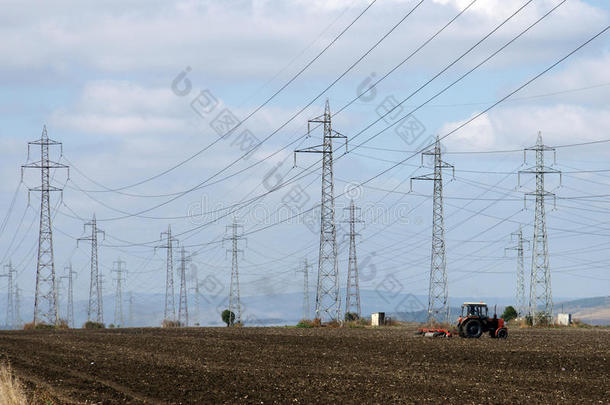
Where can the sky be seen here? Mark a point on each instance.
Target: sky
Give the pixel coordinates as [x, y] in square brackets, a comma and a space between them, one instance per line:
[139, 93]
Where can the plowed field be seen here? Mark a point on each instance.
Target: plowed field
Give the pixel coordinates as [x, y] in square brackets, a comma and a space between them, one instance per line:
[324, 365]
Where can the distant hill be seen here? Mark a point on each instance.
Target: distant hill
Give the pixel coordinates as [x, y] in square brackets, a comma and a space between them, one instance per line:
[287, 308]
[594, 311]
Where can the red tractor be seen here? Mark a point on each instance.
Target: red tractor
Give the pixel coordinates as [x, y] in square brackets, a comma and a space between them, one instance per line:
[474, 321]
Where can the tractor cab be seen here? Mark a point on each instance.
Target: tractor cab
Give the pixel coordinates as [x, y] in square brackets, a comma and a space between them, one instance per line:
[474, 309]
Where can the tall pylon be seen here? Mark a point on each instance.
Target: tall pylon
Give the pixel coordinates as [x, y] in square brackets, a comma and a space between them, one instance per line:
[95, 308]
[235, 235]
[45, 298]
[18, 320]
[10, 295]
[70, 300]
[131, 319]
[170, 299]
[119, 268]
[541, 295]
[352, 295]
[438, 292]
[195, 291]
[183, 311]
[328, 297]
[305, 271]
[517, 237]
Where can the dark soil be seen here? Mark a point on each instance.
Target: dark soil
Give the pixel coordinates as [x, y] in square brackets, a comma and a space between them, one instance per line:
[323, 365]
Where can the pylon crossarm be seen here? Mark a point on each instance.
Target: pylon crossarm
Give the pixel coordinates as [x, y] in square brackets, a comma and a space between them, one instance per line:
[424, 177]
[310, 149]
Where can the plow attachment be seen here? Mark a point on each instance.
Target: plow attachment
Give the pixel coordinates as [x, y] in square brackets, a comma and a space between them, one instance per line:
[434, 332]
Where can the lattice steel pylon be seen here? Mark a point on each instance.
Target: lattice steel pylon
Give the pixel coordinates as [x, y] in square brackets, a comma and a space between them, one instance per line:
[131, 325]
[119, 268]
[306, 304]
[70, 300]
[438, 292]
[521, 302]
[10, 291]
[328, 297]
[352, 295]
[541, 295]
[195, 291]
[18, 319]
[45, 298]
[183, 310]
[234, 295]
[170, 298]
[95, 308]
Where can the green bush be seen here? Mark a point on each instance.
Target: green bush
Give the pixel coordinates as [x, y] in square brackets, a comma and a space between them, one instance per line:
[305, 323]
[351, 316]
[228, 317]
[510, 313]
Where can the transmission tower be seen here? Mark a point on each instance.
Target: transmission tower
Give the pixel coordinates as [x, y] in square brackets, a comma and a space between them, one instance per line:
[120, 270]
[170, 303]
[70, 301]
[522, 307]
[305, 271]
[541, 295]
[183, 312]
[131, 310]
[195, 291]
[234, 298]
[328, 298]
[438, 293]
[10, 304]
[352, 299]
[96, 305]
[18, 320]
[45, 298]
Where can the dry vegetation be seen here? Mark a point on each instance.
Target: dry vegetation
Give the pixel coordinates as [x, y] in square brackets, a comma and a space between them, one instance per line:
[11, 390]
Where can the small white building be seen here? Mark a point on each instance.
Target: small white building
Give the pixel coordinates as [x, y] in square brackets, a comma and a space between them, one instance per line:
[377, 318]
[564, 319]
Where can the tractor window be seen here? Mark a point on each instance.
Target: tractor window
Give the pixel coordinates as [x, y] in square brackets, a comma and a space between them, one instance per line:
[475, 310]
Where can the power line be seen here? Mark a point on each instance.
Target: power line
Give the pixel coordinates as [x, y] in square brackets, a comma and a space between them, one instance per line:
[292, 79]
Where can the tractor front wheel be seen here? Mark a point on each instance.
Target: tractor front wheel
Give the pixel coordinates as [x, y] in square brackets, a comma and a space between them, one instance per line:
[502, 333]
[473, 329]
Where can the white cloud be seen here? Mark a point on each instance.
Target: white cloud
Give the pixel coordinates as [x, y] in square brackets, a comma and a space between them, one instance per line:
[515, 127]
[119, 108]
[589, 73]
[243, 39]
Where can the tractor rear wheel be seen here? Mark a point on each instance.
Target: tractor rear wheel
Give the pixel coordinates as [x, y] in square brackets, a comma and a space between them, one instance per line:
[473, 329]
[502, 333]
